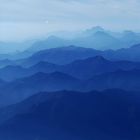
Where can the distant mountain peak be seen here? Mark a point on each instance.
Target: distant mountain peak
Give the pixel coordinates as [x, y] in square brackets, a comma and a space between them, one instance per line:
[128, 32]
[91, 60]
[52, 37]
[97, 58]
[101, 33]
[95, 29]
[137, 46]
[39, 74]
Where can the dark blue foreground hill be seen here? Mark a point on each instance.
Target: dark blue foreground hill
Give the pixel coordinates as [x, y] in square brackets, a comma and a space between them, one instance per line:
[107, 115]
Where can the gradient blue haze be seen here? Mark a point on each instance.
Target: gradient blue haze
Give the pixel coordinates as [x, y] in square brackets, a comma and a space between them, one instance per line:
[24, 19]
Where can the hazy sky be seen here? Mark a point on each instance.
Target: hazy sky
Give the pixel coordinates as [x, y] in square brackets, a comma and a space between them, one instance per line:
[21, 19]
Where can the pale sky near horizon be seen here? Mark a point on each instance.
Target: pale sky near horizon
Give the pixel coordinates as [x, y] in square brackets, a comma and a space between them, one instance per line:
[26, 19]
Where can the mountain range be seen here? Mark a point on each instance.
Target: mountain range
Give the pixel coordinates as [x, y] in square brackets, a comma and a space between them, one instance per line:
[64, 88]
[81, 69]
[95, 73]
[68, 54]
[65, 55]
[96, 38]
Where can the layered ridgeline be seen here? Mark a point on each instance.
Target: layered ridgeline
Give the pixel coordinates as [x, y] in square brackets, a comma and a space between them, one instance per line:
[71, 93]
[95, 38]
[90, 38]
[94, 73]
[82, 68]
[65, 55]
[68, 54]
[67, 68]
